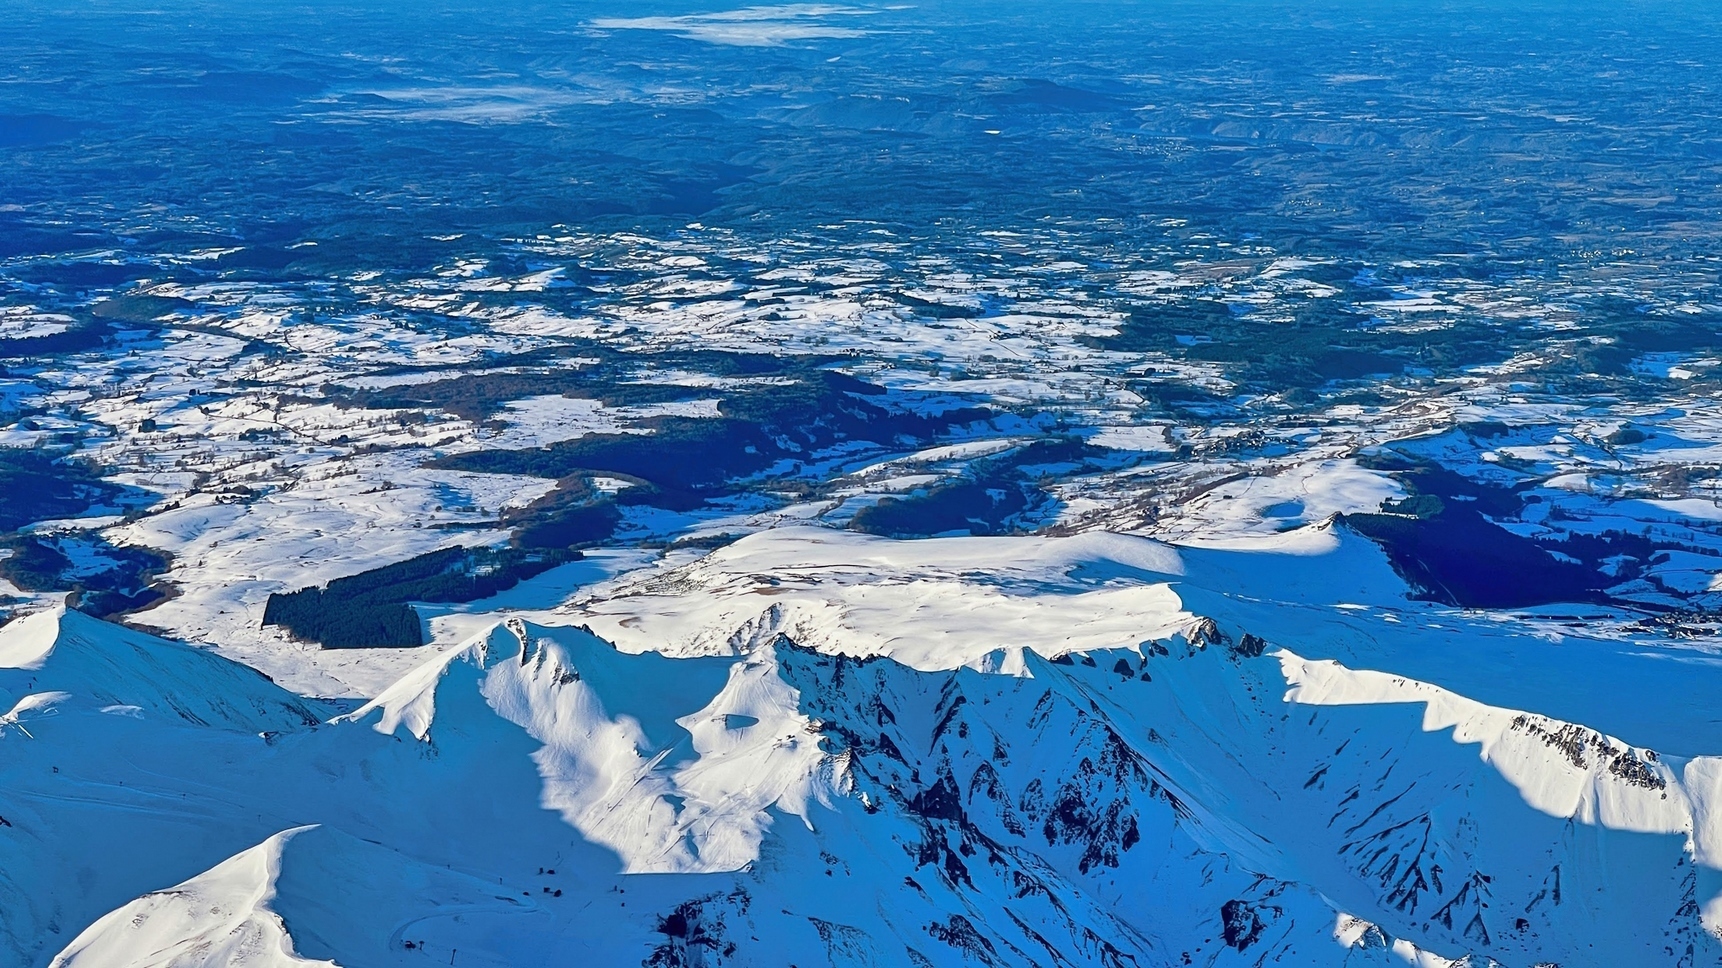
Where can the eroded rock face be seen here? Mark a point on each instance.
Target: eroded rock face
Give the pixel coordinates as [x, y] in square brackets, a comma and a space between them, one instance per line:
[1107, 776]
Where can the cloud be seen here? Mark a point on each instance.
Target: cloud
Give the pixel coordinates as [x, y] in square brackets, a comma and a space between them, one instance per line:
[749, 26]
[461, 102]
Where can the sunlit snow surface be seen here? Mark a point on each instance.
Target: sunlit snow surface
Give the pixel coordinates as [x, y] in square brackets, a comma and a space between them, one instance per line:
[997, 417]
[1090, 786]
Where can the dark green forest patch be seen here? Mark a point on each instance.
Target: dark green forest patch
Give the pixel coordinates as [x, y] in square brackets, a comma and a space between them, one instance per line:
[480, 396]
[1442, 539]
[599, 373]
[140, 308]
[574, 514]
[74, 339]
[980, 502]
[1321, 342]
[37, 485]
[757, 426]
[371, 610]
[1326, 339]
[105, 580]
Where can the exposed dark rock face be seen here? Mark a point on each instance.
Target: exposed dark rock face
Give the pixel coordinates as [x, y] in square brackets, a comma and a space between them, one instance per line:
[695, 933]
[1031, 783]
[1239, 924]
[1577, 743]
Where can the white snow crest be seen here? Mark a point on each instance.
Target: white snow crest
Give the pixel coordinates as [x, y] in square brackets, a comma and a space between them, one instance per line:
[1561, 769]
[674, 764]
[27, 642]
[113, 668]
[412, 700]
[219, 919]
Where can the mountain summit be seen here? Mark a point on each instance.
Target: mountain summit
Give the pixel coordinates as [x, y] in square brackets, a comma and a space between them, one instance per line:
[1124, 777]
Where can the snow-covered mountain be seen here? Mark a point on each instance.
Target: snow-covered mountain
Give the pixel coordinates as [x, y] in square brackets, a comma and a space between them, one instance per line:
[818, 748]
[815, 484]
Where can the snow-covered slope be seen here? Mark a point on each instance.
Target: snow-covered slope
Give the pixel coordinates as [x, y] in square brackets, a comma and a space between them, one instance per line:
[130, 673]
[816, 748]
[271, 906]
[218, 918]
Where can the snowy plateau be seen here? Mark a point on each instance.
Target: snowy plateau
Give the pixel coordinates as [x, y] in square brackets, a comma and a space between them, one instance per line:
[512, 484]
